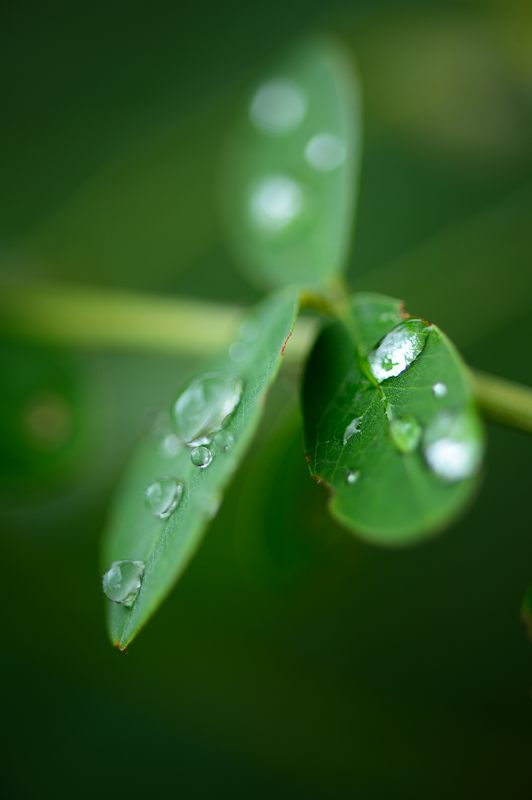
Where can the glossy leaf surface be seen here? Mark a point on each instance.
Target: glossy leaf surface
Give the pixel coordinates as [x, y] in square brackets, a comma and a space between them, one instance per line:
[161, 528]
[291, 171]
[390, 424]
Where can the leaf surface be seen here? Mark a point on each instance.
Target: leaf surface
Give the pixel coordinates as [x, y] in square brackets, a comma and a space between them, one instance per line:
[166, 545]
[291, 170]
[390, 423]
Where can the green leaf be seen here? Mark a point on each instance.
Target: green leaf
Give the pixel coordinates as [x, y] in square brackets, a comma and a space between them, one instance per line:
[526, 612]
[291, 171]
[390, 424]
[166, 545]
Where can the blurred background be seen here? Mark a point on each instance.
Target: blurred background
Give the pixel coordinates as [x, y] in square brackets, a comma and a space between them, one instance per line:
[292, 660]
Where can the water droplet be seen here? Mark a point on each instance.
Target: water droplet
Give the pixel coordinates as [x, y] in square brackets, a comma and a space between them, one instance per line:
[277, 107]
[325, 152]
[170, 446]
[398, 350]
[352, 429]
[121, 582]
[352, 476]
[439, 390]
[276, 202]
[238, 351]
[405, 432]
[203, 407]
[452, 446]
[163, 496]
[224, 440]
[201, 456]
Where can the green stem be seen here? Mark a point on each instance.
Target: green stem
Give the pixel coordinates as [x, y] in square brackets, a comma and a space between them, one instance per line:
[113, 319]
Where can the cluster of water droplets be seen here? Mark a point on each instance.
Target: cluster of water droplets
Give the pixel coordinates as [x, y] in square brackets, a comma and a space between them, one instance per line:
[278, 203]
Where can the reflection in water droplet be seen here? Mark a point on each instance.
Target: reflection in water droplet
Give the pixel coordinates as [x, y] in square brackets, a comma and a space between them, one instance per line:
[439, 390]
[405, 432]
[452, 446]
[170, 446]
[352, 476]
[203, 407]
[224, 440]
[325, 152]
[201, 456]
[352, 429]
[277, 107]
[162, 496]
[238, 351]
[398, 350]
[121, 582]
[276, 203]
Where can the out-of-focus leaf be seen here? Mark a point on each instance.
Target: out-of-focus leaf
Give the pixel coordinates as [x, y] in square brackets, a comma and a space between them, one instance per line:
[166, 545]
[292, 166]
[390, 424]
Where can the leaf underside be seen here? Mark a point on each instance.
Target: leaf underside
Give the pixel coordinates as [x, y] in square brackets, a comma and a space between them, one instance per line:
[392, 497]
[166, 546]
[291, 168]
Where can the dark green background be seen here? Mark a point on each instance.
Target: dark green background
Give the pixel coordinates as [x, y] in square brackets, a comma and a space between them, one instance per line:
[292, 660]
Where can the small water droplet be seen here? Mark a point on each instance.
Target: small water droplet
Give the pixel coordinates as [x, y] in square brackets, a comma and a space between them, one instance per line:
[276, 203]
[201, 456]
[398, 350]
[122, 581]
[202, 408]
[170, 446]
[405, 432]
[452, 446]
[439, 390]
[277, 107]
[162, 496]
[238, 351]
[224, 440]
[352, 476]
[352, 429]
[325, 152]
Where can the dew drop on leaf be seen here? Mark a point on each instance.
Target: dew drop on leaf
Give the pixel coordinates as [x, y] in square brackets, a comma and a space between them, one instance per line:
[162, 496]
[201, 456]
[439, 390]
[352, 429]
[352, 476]
[405, 432]
[452, 446]
[122, 581]
[203, 407]
[224, 440]
[398, 350]
[276, 203]
[325, 152]
[278, 107]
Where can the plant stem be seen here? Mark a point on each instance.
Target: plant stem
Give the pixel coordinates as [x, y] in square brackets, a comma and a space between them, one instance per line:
[113, 319]
[504, 401]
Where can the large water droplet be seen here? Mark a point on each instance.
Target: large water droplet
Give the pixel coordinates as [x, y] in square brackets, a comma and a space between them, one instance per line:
[352, 476]
[201, 456]
[452, 446]
[276, 203]
[325, 152]
[405, 432]
[352, 429]
[224, 440]
[122, 581]
[439, 390]
[277, 107]
[398, 350]
[163, 496]
[203, 407]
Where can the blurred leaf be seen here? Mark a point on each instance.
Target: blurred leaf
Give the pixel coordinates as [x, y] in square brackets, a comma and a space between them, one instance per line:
[390, 425]
[166, 545]
[526, 611]
[291, 169]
